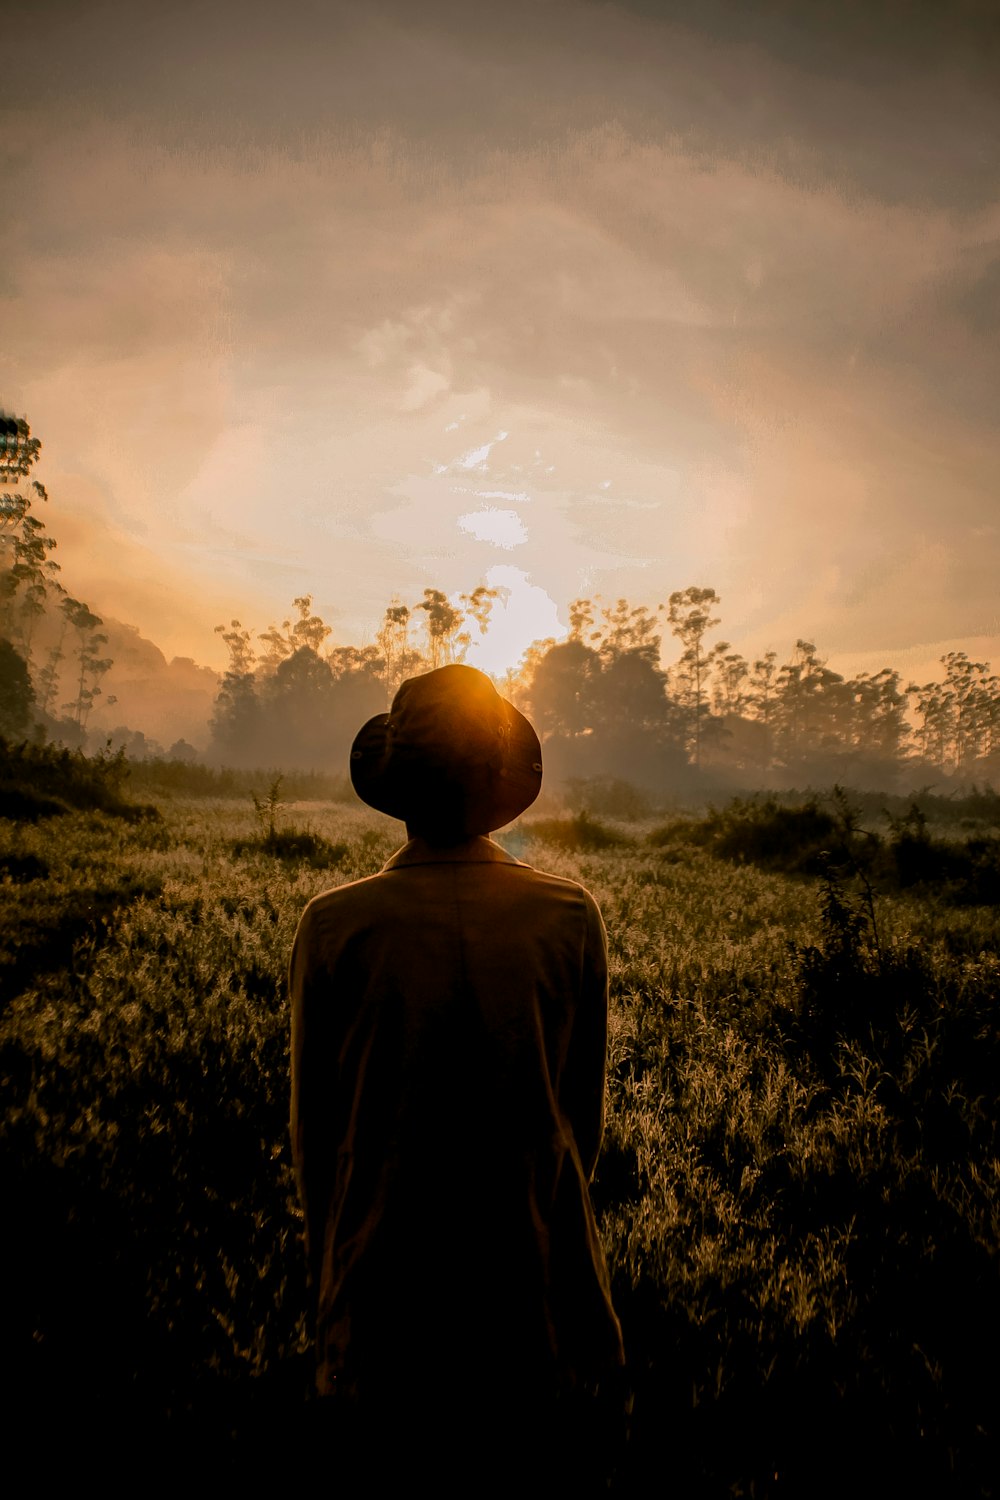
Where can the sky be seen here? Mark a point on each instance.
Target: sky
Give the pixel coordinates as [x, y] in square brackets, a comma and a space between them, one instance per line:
[359, 299]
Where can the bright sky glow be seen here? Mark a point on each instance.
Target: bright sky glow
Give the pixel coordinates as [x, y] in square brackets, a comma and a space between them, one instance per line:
[524, 613]
[327, 314]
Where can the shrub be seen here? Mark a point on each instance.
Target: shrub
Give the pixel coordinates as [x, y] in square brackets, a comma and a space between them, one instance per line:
[581, 832]
[42, 781]
[791, 839]
[962, 873]
[794, 840]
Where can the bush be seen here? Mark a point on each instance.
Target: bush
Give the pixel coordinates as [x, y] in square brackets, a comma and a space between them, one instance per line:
[810, 839]
[581, 832]
[793, 840]
[961, 873]
[42, 781]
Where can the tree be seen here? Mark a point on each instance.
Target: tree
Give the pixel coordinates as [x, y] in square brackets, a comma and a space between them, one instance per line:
[91, 665]
[762, 695]
[629, 693]
[296, 709]
[625, 630]
[29, 586]
[560, 695]
[27, 573]
[690, 617]
[443, 622]
[878, 724]
[598, 699]
[973, 694]
[581, 620]
[399, 659]
[18, 449]
[447, 639]
[959, 717]
[729, 693]
[235, 722]
[17, 696]
[479, 605]
[308, 630]
[934, 735]
[811, 705]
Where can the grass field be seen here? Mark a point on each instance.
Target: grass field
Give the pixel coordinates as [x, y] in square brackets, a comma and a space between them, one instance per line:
[798, 1190]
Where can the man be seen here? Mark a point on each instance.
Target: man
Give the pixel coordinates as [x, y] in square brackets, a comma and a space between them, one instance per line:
[449, 1032]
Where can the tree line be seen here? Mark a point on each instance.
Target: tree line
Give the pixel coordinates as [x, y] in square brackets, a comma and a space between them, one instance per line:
[603, 703]
[602, 700]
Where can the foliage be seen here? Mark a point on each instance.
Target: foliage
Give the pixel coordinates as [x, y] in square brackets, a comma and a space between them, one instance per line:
[810, 838]
[798, 1188]
[266, 809]
[761, 831]
[39, 781]
[962, 871]
[29, 588]
[798, 1191]
[17, 696]
[579, 832]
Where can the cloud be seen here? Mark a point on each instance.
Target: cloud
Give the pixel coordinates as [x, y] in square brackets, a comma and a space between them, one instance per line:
[732, 304]
[502, 528]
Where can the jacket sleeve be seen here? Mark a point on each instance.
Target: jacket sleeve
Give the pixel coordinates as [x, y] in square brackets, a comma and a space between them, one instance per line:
[310, 1091]
[586, 1059]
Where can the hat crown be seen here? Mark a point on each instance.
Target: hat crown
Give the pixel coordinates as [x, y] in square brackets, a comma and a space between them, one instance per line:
[451, 716]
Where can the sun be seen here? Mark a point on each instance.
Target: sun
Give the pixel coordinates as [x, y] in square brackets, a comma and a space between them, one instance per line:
[522, 613]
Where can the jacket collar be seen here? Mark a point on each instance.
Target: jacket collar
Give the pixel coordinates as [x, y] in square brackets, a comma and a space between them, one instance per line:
[477, 851]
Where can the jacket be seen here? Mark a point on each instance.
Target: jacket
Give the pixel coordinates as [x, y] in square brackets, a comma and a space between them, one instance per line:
[448, 1046]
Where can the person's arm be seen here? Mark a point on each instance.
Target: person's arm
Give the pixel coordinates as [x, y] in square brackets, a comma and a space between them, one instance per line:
[586, 1060]
[310, 1094]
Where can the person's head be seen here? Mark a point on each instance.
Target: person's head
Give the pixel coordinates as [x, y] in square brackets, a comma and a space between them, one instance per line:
[451, 758]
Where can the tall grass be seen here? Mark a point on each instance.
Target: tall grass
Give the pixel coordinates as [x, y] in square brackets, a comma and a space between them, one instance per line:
[798, 1190]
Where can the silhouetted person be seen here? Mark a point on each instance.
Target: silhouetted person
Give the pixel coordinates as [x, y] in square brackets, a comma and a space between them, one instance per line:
[449, 1033]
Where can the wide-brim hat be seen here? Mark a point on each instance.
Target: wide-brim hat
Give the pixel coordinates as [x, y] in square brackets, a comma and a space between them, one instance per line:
[451, 753]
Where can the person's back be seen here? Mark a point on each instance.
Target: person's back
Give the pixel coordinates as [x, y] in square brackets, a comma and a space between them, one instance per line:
[448, 1057]
[451, 1035]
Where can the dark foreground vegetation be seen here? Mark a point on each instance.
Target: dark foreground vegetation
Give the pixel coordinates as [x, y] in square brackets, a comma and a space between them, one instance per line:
[798, 1190]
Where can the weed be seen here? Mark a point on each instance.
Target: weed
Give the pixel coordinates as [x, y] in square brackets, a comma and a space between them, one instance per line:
[292, 845]
[266, 809]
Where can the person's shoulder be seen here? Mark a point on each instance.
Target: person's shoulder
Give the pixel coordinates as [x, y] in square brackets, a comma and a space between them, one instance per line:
[341, 898]
[558, 884]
